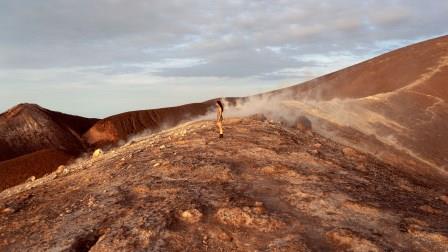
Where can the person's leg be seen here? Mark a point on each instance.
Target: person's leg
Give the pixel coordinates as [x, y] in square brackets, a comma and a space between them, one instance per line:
[221, 132]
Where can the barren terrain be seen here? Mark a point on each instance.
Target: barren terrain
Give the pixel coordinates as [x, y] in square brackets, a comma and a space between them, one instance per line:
[264, 187]
[400, 97]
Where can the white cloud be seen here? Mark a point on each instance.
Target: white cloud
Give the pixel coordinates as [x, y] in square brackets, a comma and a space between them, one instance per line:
[258, 45]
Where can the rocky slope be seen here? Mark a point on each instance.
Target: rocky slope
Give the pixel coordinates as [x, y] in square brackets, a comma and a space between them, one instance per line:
[35, 141]
[264, 187]
[27, 128]
[400, 97]
[422, 64]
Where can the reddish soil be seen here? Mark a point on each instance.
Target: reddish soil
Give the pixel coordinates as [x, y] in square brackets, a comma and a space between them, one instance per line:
[37, 164]
[401, 97]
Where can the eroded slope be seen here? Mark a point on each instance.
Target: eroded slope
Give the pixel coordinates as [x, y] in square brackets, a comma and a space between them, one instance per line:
[262, 187]
[27, 128]
[400, 97]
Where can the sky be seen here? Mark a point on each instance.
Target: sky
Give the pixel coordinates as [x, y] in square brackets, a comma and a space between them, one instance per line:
[96, 58]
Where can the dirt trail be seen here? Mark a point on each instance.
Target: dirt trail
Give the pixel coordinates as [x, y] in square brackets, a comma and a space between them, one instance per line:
[263, 187]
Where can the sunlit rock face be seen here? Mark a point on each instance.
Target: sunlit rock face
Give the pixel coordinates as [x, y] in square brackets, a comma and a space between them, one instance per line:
[27, 128]
[400, 98]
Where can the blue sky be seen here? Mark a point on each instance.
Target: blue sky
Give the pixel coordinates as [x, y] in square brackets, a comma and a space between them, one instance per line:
[98, 58]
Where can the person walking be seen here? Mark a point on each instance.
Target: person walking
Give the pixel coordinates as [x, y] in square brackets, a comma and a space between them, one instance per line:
[219, 118]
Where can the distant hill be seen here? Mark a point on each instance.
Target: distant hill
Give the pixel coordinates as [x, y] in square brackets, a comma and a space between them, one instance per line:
[35, 141]
[27, 128]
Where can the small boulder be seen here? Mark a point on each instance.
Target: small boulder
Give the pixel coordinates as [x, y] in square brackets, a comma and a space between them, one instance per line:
[191, 215]
[97, 153]
[60, 169]
[91, 201]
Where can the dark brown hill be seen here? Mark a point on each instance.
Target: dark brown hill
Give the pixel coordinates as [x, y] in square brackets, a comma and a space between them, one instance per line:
[27, 128]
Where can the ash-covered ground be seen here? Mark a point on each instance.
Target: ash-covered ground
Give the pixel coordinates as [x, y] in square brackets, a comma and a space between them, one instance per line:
[263, 187]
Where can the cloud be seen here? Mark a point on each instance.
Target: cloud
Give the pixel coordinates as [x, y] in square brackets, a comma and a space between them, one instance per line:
[78, 33]
[254, 43]
[235, 63]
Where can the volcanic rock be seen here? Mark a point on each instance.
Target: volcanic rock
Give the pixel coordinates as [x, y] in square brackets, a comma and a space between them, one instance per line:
[97, 153]
[27, 128]
[191, 215]
[272, 198]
